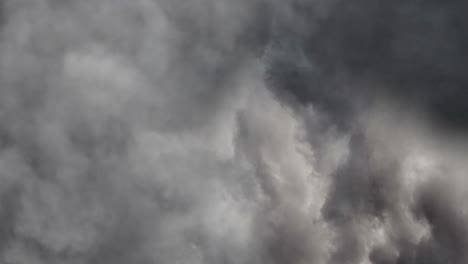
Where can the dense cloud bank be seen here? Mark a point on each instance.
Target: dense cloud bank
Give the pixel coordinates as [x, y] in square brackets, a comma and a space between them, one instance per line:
[220, 131]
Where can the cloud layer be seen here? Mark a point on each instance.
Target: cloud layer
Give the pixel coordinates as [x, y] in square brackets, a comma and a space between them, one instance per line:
[217, 131]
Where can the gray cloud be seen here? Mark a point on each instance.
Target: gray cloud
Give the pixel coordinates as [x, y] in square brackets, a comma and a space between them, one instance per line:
[217, 131]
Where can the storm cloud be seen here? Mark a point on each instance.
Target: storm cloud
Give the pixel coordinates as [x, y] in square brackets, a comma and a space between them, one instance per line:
[220, 131]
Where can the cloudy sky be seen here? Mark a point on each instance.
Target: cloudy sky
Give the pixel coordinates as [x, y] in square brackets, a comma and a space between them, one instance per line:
[233, 131]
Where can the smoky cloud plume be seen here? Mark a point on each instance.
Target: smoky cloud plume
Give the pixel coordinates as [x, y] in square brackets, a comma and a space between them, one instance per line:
[221, 131]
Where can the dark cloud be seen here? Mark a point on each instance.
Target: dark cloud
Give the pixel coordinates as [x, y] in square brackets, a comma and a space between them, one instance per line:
[216, 131]
[412, 51]
[357, 54]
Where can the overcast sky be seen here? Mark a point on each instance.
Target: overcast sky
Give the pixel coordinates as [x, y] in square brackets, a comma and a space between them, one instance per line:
[233, 131]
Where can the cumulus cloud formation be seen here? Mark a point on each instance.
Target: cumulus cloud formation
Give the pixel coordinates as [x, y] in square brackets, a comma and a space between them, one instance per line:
[220, 131]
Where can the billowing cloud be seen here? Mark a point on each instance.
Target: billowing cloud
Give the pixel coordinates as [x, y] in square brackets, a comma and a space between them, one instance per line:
[217, 131]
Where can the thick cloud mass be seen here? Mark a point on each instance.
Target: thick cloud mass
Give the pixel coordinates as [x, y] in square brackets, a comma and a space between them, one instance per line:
[411, 51]
[221, 131]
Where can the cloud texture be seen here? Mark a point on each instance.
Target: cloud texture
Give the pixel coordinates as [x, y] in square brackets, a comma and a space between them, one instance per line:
[221, 131]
